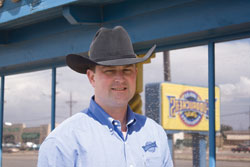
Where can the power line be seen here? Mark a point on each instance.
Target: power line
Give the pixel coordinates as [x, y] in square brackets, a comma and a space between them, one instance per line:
[237, 113]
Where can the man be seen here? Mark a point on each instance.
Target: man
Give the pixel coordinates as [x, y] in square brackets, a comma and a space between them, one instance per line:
[108, 133]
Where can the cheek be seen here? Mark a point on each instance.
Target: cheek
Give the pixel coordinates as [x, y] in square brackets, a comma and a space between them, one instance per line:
[133, 82]
[102, 84]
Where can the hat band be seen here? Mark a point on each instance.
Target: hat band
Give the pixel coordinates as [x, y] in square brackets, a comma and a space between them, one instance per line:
[113, 58]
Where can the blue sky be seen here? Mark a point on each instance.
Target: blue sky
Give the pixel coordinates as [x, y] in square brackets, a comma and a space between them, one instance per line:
[28, 95]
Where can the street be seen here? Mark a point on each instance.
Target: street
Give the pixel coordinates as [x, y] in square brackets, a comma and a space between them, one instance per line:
[219, 163]
[29, 159]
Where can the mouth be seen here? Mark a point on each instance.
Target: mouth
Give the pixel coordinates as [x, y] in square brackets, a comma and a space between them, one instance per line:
[118, 89]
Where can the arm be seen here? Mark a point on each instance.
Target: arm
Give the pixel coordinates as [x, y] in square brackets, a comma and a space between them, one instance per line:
[167, 156]
[54, 154]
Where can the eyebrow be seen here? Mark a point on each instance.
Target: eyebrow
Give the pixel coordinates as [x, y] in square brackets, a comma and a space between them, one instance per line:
[130, 65]
[103, 67]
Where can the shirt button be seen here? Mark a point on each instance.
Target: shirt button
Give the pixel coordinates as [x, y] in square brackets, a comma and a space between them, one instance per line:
[131, 165]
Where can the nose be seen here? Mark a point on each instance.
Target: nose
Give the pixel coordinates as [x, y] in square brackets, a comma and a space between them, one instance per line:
[119, 76]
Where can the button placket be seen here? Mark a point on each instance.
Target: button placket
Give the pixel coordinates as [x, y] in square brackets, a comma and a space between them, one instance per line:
[130, 161]
[111, 131]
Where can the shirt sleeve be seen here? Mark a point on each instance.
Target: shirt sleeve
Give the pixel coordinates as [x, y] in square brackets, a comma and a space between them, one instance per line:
[53, 154]
[167, 162]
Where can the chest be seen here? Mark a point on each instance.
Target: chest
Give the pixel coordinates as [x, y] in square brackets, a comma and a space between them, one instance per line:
[108, 148]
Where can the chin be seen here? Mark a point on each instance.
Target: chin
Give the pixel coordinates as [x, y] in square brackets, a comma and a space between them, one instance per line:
[121, 102]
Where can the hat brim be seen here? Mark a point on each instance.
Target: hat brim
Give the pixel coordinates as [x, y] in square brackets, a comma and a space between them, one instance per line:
[81, 63]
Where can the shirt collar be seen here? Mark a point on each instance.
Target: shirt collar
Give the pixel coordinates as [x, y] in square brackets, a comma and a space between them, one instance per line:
[130, 116]
[105, 118]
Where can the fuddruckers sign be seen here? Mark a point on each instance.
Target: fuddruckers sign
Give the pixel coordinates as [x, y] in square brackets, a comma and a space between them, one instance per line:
[187, 108]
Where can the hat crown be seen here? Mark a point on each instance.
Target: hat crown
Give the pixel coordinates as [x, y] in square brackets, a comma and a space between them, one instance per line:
[110, 44]
[110, 47]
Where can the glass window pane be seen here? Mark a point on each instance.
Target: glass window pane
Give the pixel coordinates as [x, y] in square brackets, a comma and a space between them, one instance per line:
[26, 117]
[233, 77]
[188, 67]
[73, 93]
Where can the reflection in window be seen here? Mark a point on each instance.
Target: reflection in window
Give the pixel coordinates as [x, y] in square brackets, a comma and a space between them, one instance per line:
[27, 111]
[233, 77]
[190, 66]
[187, 67]
[73, 93]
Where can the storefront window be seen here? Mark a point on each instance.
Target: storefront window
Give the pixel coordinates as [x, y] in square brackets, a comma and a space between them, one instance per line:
[73, 93]
[27, 112]
[233, 77]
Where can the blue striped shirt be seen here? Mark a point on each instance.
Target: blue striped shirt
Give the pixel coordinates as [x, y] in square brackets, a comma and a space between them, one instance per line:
[92, 138]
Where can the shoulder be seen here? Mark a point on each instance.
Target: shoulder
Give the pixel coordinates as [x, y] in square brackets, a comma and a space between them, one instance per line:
[147, 121]
[63, 139]
[149, 124]
[74, 124]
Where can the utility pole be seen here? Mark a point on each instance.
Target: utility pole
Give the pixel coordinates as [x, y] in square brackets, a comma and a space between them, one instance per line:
[70, 102]
[166, 65]
[167, 77]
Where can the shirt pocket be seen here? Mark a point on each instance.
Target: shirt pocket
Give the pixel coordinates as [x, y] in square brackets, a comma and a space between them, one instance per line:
[152, 159]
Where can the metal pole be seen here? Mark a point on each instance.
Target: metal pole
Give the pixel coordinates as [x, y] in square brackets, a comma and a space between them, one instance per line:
[211, 85]
[202, 150]
[170, 144]
[196, 149]
[53, 99]
[1, 117]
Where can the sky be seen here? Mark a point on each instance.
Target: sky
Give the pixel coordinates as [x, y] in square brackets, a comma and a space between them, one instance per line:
[27, 96]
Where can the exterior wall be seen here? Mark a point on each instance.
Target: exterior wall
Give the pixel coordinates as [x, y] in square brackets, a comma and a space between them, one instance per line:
[219, 141]
[18, 133]
[237, 137]
[12, 134]
[31, 134]
[44, 132]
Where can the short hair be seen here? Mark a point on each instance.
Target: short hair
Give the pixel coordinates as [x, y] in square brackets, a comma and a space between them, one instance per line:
[92, 67]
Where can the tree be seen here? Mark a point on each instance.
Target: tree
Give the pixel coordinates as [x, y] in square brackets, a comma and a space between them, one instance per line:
[224, 128]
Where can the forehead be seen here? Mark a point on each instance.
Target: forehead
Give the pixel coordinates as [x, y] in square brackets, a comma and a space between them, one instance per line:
[116, 67]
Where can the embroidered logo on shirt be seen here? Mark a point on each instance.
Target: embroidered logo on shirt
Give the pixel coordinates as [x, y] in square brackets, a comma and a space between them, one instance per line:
[149, 146]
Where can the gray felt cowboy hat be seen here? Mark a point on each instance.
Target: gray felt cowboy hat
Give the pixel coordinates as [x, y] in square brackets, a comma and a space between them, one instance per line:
[110, 47]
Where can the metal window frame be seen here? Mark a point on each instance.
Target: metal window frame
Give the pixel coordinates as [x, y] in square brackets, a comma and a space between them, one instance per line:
[211, 85]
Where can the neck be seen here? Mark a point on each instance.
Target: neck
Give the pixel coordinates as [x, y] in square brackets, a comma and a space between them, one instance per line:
[118, 113]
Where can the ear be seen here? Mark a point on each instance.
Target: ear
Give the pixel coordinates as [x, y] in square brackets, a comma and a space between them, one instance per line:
[91, 77]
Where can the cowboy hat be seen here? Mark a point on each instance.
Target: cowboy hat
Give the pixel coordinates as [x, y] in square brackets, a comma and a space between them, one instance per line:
[110, 47]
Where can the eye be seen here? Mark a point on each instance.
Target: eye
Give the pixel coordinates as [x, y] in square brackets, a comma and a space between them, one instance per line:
[127, 70]
[109, 71]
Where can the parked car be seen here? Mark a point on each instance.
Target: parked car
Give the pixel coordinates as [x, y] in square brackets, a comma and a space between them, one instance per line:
[241, 148]
[9, 148]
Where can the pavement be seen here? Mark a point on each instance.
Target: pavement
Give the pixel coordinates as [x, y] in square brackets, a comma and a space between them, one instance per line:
[182, 158]
[221, 154]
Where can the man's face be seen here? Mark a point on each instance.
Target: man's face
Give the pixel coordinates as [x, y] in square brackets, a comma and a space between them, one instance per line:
[114, 85]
